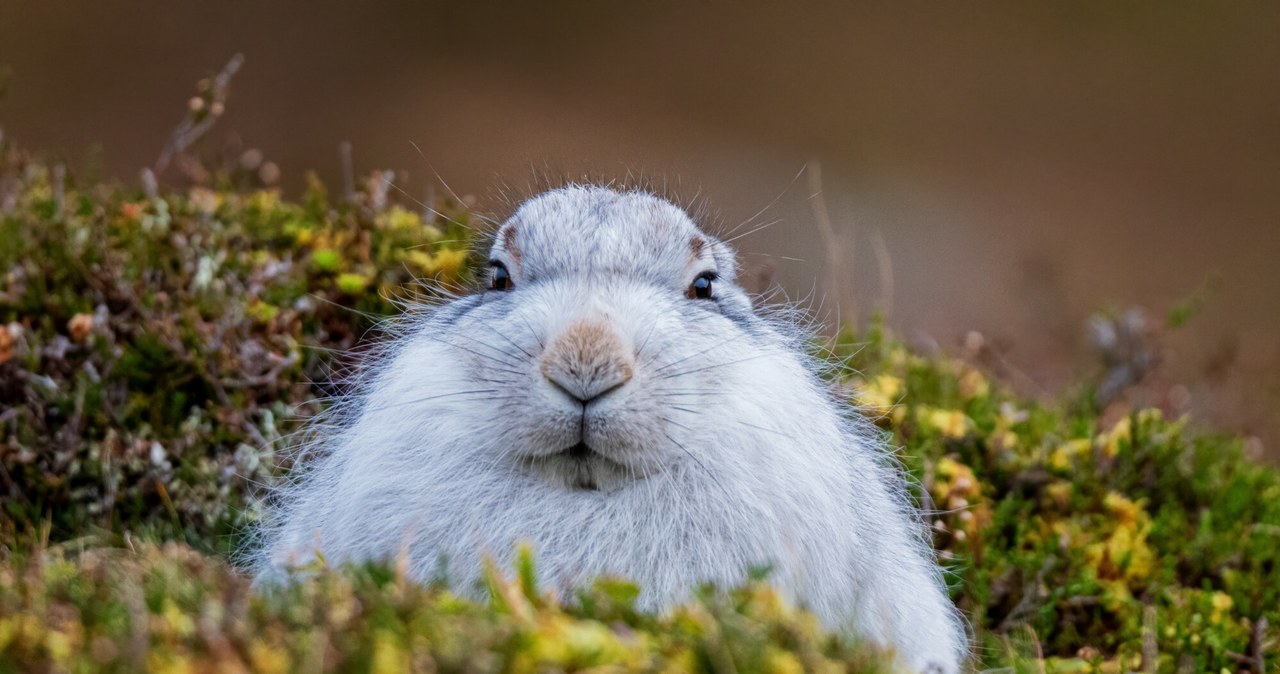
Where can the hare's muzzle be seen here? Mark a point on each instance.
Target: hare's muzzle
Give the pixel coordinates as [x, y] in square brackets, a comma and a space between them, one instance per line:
[587, 360]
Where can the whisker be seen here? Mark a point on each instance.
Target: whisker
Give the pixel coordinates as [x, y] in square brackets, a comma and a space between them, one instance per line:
[673, 422]
[533, 332]
[695, 355]
[753, 230]
[769, 205]
[455, 196]
[429, 398]
[701, 465]
[712, 367]
[481, 355]
[513, 343]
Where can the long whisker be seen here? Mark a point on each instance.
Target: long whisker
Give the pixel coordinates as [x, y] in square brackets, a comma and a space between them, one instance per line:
[717, 365]
[673, 422]
[429, 398]
[455, 196]
[478, 354]
[753, 230]
[769, 205]
[533, 332]
[513, 343]
[695, 355]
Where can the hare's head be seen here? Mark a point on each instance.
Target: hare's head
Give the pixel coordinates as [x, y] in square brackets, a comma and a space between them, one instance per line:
[612, 340]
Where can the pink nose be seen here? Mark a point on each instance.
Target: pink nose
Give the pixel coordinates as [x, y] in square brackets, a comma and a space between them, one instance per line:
[587, 361]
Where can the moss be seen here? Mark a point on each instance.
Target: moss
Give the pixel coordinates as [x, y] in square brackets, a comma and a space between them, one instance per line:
[1060, 526]
[155, 350]
[152, 346]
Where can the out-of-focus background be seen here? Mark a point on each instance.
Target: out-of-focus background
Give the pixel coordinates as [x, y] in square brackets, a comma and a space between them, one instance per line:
[1003, 170]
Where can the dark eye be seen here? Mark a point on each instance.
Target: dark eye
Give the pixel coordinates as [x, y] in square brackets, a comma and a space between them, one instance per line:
[700, 289]
[499, 277]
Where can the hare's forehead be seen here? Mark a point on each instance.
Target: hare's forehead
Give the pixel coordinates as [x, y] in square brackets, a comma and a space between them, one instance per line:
[595, 229]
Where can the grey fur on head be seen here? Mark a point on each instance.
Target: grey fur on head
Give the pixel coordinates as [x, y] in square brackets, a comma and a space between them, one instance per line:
[614, 400]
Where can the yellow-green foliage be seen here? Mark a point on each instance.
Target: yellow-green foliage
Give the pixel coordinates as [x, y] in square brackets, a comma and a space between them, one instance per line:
[1091, 543]
[168, 608]
[154, 350]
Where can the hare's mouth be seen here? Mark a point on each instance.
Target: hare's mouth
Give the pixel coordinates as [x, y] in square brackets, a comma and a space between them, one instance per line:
[582, 468]
[580, 452]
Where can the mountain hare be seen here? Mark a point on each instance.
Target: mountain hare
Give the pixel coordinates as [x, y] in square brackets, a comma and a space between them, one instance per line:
[612, 398]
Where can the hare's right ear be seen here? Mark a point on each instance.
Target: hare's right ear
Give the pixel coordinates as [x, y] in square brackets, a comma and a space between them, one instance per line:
[726, 259]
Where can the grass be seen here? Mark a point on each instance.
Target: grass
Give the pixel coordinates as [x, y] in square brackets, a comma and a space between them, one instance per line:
[157, 346]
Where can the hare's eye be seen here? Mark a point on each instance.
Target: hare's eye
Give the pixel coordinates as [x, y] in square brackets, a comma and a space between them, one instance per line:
[700, 289]
[499, 277]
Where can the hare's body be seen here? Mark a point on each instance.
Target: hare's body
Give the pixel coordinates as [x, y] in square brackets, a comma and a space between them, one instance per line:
[614, 401]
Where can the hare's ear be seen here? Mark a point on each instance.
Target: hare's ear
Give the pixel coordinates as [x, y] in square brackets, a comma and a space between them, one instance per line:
[725, 257]
[506, 248]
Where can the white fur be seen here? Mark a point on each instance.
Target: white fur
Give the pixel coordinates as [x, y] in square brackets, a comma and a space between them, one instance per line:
[723, 451]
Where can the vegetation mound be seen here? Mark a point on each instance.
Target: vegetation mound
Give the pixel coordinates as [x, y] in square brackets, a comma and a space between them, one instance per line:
[157, 347]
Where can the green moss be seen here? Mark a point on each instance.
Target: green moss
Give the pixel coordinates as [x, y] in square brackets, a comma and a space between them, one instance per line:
[154, 351]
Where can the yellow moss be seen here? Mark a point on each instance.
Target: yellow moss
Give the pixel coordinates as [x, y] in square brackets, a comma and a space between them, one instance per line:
[264, 200]
[1124, 553]
[262, 311]
[782, 662]
[160, 662]
[400, 218]
[1125, 510]
[1148, 415]
[352, 283]
[301, 233]
[441, 264]
[58, 645]
[880, 394]
[951, 424]
[1221, 603]
[449, 263]
[681, 662]
[389, 655]
[267, 659]
[1109, 441]
[179, 622]
[764, 601]
[567, 642]
[8, 629]
[1060, 492]
[1064, 457]
[973, 385]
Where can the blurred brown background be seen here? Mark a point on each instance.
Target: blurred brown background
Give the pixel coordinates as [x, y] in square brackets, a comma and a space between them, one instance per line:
[1016, 166]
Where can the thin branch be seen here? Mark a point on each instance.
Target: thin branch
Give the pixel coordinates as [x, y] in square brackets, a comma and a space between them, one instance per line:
[205, 110]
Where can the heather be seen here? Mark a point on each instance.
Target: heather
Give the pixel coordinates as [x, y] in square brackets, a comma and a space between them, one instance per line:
[160, 344]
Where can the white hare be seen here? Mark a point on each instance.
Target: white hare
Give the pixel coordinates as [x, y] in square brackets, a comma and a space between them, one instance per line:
[613, 399]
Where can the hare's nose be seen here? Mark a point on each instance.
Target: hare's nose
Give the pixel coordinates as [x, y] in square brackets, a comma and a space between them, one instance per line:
[586, 361]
